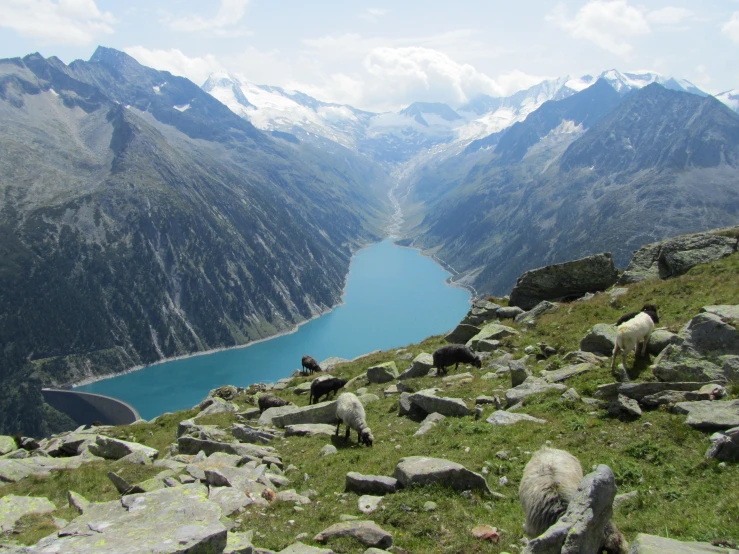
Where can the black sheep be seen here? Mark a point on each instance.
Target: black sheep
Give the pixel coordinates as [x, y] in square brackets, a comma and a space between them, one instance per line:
[324, 387]
[454, 354]
[650, 309]
[310, 364]
[270, 401]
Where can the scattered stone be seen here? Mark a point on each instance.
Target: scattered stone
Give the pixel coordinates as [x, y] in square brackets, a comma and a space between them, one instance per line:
[623, 406]
[429, 506]
[725, 446]
[269, 414]
[28, 443]
[482, 311]
[650, 544]
[7, 444]
[581, 527]
[639, 391]
[570, 395]
[391, 390]
[485, 532]
[247, 433]
[189, 445]
[565, 280]
[529, 387]
[518, 371]
[13, 507]
[310, 430]
[239, 543]
[530, 317]
[622, 498]
[664, 397]
[479, 411]
[580, 357]
[218, 406]
[366, 532]
[382, 373]
[330, 363]
[323, 412]
[659, 340]
[77, 502]
[370, 484]
[491, 332]
[327, 450]
[509, 312]
[420, 367]
[601, 339]
[303, 388]
[502, 417]
[487, 400]
[420, 470]
[462, 334]
[430, 403]
[368, 399]
[115, 449]
[566, 372]
[231, 500]
[368, 503]
[708, 415]
[292, 496]
[300, 548]
[429, 423]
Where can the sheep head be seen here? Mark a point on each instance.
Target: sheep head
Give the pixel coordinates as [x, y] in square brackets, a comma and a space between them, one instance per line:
[477, 362]
[365, 437]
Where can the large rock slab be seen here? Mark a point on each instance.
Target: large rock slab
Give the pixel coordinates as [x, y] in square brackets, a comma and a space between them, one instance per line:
[382, 373]
[676, 256]
[501, 417]
[559, 281]
[462, 333]
[330, 363]
[725, 446]
[481, 312]
[581, 527]
[239, 543]
[323, 412]
[428, 424]
[529, 387]
[366, 532]
[300, 548]
[270, 413]
[370, 484]
[638, 391]
[566, 372]
[420, 470]
[659, 340]
[115, 449]
[14, 470]
[491, 331]
[190, 445]
[709, 415]
[420, 367]
[650, 544]
[12, 508]
[247, 433]
[168, 521]
[7, 444]
[229, 499]
[430, 403]
[530, 317]
[600, 339]
[310, 430]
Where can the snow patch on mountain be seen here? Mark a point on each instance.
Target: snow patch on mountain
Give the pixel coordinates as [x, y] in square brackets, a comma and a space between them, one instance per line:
[730, 98]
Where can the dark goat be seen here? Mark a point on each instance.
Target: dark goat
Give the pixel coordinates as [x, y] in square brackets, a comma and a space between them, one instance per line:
[454, 354]
[650, 309]
[324, 387]
[310, 364]
[270, 401]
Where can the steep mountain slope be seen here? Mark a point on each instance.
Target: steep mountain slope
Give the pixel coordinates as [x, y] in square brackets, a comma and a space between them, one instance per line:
[141, 219]
[660, 163]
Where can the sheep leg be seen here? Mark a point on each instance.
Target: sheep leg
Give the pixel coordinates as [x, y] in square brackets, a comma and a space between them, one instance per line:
[644, 348]
[348, 430]
[616, 350]
[337, 428]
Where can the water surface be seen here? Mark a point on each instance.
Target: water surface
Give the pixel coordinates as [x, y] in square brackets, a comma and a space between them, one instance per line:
[394, 296]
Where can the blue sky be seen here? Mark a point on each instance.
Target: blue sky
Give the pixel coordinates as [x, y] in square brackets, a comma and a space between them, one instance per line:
[383, 55]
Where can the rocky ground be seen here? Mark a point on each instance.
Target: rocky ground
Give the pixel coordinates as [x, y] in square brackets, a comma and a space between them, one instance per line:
[661, 440]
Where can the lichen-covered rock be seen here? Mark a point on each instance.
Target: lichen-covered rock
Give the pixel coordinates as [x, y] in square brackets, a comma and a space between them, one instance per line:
[509, 312]
[569, 279]
[502, 417]
[323, 412]
[115, 449]
[430, 403]
[659, 340]
[481, 312]
[638, 391]
[429, 423]
[420, 367]
[559, 375]
[530, 317]
[13, 507]
[601, 339]
[420, 470]
[491, 331]
[370, 484]
[623, 406]
[7, 444]
[708, 415]
[247, 433]
[462, 333]
[309, 430]
[651, 544]
[167, 521]
[366, 532]
[529, 387]
[518, 371]
[300, 548]
[382, 373]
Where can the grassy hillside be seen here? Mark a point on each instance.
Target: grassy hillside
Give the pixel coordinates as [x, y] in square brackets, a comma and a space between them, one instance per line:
[680, 494]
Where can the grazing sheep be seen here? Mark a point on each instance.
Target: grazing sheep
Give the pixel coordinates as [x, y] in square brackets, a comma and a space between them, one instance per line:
[266, 401]
[310, 364]
[549, 482]
[631, 331]
[324, 387]
[350, 412]
[646, 308]
[454, 354]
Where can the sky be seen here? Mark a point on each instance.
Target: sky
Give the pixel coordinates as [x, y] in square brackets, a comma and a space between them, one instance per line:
[381, 55]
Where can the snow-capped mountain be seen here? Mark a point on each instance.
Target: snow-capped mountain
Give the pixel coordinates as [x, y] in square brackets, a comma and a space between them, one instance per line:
[730, 98]
[421, 128]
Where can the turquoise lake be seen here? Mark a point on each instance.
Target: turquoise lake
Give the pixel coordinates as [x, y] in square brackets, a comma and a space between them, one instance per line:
[393, 297]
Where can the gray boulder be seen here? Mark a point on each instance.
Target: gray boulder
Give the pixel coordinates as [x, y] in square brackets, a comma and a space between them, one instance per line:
[239, 543]
[650, 544]
[501, 417]
[330, 363]
[601, 339]
[430, 403]
[623, 406]
[366, 532]
[229, 499]
[190, 445]
[7, 444]
[420, 470]
[115, 449]
[428, 424]
[13, 507]
[581, 528]
[247, 433]
[558, 281]
[518, 371]
[529, 387]
[491, 331]
[566, 372]
[509, 312]
[725, 446]
[676, 256]
[370, 484]
[323, 412]
[167, 521]
[462, 333]
[530, 317]
[300, 548]
[270, 413]
[708, 415]
[420, 367]
[638, 391]
[218, 406]
[382, 373]
[481, 312]
[309, 430]
[484, 345]
[659, 340]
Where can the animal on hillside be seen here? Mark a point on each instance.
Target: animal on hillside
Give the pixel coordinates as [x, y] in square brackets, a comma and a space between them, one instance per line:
[324, 387]
[310, 364]
[633, 330]
[646, 308]
[350, 412]
[549, 482]
[266, 401]
[454, 354]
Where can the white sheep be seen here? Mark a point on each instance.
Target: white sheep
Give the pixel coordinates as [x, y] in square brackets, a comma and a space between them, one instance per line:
[550, 480]
[632, 331]
[350, 412]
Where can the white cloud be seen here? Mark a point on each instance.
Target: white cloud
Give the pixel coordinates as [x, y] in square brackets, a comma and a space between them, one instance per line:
[516, 80]
[62, 22]
[731, 27]
[606, 23]
[669, 15]
[197, 69]
[224, 24]
[373, 14]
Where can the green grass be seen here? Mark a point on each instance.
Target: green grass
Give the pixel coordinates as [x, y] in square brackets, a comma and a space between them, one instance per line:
[680, 494]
